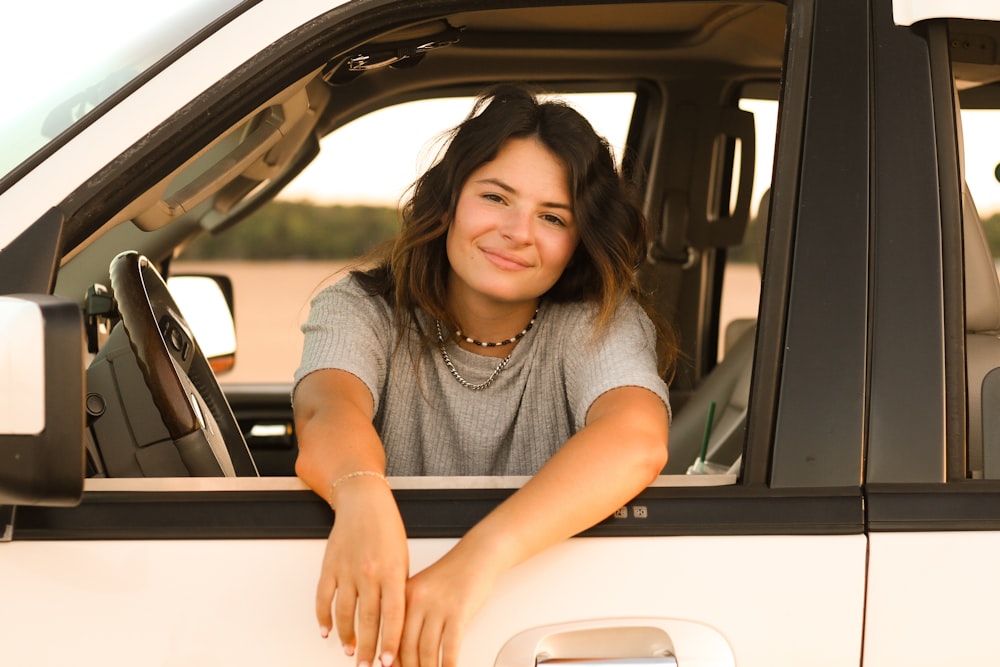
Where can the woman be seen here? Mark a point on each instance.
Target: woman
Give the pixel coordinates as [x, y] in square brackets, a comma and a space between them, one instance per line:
[500, 335]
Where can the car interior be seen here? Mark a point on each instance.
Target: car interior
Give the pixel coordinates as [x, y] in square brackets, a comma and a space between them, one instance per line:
[982, 314]
[690, 151]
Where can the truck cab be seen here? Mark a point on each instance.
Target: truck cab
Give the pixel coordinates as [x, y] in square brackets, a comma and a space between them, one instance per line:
[819, 176]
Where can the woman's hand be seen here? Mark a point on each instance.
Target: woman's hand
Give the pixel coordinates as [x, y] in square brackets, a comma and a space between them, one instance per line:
[363, 577]
[364, 572]
[440, 602]
[599, 469]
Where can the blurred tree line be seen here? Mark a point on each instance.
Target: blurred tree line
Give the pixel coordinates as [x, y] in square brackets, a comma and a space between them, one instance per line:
[300, 230]
[303, 230]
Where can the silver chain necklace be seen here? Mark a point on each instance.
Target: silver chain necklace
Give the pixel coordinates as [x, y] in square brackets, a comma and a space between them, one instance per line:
[454, 372]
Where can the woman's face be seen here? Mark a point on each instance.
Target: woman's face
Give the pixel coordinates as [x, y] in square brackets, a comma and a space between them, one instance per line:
[514, 231]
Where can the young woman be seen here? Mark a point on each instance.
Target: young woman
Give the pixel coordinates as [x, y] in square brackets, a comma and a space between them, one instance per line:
[501, 335]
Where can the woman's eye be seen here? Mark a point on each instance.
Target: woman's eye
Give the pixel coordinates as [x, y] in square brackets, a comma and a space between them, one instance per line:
[493, 197]
[554, 220]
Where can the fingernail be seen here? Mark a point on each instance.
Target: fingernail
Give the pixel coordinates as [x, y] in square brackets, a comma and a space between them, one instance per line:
[386, 659]
[324, 631]
[362, 664]
[349, 650]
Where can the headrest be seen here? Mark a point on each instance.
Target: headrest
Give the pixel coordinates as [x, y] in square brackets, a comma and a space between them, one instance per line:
[982, 288]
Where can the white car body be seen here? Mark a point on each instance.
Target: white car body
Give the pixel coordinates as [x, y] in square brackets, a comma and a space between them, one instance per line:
[818, 598]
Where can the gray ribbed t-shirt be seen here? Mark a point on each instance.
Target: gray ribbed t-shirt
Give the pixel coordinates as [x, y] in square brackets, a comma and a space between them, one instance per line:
[436, 426]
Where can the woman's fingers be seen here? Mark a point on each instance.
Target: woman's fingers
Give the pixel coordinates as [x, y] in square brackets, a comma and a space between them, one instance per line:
[325, 590]
[410, 640]
[393, 618]
[369, 617]
[362, 610]
[429, 647]
[359, 617]
[451, 642]
[343, 608]
[425, 619]
[436, 644]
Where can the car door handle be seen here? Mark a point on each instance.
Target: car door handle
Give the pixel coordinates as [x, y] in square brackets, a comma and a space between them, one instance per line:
[659, 661]
[606, 642]
[639, 641]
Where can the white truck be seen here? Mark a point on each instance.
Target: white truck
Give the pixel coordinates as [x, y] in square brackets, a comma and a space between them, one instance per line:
[852, 515]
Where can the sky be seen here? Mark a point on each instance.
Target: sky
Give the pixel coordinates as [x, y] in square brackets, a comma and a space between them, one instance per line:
[409, 136]
[379, 172]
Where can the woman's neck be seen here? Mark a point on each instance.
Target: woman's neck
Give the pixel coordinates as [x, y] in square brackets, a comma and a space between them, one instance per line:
[492, 329]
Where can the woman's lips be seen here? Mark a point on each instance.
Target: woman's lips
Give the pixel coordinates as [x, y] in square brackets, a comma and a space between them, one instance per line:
[504, 260]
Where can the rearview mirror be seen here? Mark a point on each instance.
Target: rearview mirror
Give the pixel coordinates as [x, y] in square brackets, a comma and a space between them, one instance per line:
[41, 401]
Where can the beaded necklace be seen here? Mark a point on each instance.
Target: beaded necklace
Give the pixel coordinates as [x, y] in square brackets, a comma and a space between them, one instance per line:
[496, 371]
[506, 341]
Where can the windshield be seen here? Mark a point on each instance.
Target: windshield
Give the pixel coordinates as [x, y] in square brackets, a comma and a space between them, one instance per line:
[62, 59]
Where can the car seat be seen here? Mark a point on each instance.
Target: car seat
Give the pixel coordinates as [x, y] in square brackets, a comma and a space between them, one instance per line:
[727, 386]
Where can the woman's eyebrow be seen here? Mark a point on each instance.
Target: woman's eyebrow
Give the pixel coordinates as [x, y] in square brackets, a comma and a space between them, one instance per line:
[512, 190]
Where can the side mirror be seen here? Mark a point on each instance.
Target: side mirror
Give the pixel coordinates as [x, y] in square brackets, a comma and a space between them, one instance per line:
[206, 301]
[41, 401]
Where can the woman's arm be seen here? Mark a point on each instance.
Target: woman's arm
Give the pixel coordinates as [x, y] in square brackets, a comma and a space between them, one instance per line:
[622, 448]
[366, 561]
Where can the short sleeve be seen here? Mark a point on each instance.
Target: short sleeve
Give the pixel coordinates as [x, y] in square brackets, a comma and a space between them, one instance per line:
[350, 330]
[623, 355]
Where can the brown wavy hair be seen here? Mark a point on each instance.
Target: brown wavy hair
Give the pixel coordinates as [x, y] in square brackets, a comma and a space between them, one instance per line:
[413, 273]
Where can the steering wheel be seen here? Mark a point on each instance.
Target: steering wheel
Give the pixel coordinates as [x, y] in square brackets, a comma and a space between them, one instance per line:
[184, 388]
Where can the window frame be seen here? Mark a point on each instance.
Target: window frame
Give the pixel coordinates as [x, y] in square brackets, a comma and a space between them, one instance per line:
[753, 505]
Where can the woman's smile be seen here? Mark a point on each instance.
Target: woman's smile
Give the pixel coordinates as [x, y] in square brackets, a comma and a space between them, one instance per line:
[504, 260]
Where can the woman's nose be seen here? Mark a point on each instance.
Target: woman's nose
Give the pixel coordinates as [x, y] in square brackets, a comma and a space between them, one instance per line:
[516, 226]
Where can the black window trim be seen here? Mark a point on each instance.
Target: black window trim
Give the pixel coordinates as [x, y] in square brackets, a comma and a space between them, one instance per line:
[441, 513]
[797, 341]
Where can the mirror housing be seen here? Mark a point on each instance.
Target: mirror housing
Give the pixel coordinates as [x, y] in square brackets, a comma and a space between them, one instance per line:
[42, 404]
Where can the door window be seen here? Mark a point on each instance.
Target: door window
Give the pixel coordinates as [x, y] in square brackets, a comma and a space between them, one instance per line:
[339, 208]
[981, 214]
[981, 133]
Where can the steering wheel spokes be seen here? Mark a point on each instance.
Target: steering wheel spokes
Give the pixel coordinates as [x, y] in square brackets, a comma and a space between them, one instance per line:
[178, 338]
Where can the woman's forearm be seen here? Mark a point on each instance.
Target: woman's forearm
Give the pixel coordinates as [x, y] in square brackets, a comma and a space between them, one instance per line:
[334, 430]
[620, 451]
